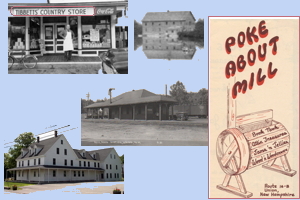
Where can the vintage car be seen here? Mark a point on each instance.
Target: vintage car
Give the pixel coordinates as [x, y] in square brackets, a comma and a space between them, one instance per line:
[182, 116]
[114, 61]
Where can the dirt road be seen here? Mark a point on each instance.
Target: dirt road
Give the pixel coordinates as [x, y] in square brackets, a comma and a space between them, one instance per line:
[113, 132]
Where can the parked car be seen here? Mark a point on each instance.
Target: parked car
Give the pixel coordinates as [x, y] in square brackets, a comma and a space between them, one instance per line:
[182, 116]
[114, 61]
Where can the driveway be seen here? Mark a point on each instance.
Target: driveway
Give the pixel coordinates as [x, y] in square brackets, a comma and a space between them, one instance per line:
[78, 188]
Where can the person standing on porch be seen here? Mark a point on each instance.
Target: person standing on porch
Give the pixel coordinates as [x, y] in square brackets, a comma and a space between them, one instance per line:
[68, 36]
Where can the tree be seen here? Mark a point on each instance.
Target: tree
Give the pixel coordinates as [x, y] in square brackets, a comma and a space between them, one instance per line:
[203, 93]
[24, 140]
[122, 158]
[179, 92]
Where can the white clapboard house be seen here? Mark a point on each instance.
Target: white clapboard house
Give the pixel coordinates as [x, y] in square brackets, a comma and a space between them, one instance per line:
[54, 160]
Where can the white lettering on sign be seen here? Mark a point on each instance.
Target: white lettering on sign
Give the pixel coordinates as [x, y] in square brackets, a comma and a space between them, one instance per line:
[105, 11]
[53, 11]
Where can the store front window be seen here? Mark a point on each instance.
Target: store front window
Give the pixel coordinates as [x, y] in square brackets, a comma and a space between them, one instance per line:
[34, 32]
[122, 37]
[96, 32]
[16, 33]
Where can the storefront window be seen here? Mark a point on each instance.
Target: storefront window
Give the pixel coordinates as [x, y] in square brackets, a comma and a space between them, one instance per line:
[96, 32]
[34, 32]
[122, 37]
[73, 21]
[16, 33]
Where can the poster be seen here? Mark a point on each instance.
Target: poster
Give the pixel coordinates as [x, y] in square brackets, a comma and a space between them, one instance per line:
[254, 107]
[94, 35]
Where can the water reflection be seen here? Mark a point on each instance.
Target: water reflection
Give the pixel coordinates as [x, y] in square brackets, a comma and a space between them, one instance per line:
[169, 48]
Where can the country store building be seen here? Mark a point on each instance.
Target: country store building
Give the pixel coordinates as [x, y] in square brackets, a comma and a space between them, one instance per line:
[54, 160]
[35, 27]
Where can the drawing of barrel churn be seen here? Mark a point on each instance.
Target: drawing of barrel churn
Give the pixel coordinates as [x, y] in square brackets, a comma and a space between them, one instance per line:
[249, 141]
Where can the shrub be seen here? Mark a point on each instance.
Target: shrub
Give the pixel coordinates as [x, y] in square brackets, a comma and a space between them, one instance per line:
[117, 191]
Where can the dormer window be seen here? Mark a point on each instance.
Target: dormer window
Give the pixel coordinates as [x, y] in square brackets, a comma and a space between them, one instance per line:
[83, 154]
[34, 151]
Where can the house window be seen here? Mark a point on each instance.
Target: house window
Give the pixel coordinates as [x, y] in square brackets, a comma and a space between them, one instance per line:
[106, 166]
[118, 175]
[74, 173]
[106, 175]
[34, 162]
[34, 173]
[19, 164]
[110, 156]
[173, 23]
[57, 150]
[152, 23]
[166, 23]
[65, 151]
[38, 174]
[62, 142]
[65, 173]
[19, 173]
[83, 155]
[84, 163]
[78, 173]
[88, 164]
[102, 176]
[82, 173]
[65, 162]
[71, 162]
[94, 164]
[22, 173]
[115, 175]
[28, 162]
[54, 161]
[98, 165]
[54, 173]
[145, 24]
[116, 167]
[110, 175]
[114, 156]
[79, 163]
[39, 161]
[110, 166]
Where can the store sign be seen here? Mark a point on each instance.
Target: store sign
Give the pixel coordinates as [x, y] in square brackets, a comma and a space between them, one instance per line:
[105, 10]
[53, 11]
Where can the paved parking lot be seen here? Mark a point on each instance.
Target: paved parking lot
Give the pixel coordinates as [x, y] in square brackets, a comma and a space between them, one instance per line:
[78, 188]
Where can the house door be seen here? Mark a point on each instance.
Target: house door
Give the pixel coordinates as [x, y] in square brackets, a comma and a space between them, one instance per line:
[53, 41]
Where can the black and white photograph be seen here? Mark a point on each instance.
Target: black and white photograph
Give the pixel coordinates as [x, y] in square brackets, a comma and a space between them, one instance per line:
[170, 35]
[143, 118]
[68, 38]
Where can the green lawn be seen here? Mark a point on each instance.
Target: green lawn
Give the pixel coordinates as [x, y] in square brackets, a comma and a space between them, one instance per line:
[10, 184]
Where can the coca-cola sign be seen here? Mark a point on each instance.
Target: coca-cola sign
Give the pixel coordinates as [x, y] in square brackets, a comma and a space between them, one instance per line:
[105, 11]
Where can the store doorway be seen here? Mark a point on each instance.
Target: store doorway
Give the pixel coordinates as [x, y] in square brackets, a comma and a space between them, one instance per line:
[54, 43]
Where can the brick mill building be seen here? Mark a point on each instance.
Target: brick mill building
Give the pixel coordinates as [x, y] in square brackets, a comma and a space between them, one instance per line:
[136, 104]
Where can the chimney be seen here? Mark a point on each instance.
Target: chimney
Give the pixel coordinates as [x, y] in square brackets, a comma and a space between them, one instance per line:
[55, 133]
[166, 90]
[168, 11]
[38, 139]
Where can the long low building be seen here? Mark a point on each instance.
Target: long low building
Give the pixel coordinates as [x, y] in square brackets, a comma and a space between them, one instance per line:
[54, 160]
[136, 104]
